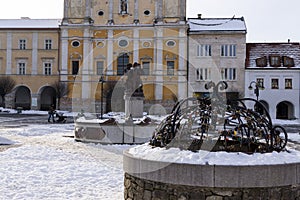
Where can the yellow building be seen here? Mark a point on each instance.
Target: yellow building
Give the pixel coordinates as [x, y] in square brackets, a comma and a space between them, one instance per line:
[29, 55]
[99, 38]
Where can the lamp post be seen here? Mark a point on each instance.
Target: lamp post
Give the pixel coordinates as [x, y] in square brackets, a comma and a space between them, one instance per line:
[101, 80]
[258, 87]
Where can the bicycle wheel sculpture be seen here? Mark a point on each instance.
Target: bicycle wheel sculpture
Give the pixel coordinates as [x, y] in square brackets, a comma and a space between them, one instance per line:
[215, 125]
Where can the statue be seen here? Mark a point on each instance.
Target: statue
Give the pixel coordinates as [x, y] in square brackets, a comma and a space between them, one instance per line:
[123, 6]
[134, 83]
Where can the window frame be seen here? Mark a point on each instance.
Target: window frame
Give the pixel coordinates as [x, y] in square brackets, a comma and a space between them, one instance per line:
[22, 44]
[48, 44]
[229, 74]
[261, 62]
[204, 50]
[288, 61]
[21, 68]
[260, 82]
[275, 60]
[99, 69]
[121, 67]
[274, 83]
[146, 70]
[47, 66]
[228, 50]
[288, 83]
[75, 68]
[203, 74]
[170, 68]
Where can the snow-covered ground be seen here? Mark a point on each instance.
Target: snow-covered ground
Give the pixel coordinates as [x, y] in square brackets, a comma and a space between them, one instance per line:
[49, 165]
[46, 163]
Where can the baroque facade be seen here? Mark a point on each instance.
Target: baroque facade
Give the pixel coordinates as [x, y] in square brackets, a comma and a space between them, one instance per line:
[99, 39]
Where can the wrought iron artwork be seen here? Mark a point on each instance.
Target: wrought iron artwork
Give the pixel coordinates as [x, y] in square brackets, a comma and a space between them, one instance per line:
[216, 124]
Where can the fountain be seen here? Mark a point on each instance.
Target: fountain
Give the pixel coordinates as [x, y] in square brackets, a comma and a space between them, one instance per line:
[133, 128]
[212, 135]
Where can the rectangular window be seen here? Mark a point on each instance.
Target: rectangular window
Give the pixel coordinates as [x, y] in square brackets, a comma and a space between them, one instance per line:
[48, 44]
[275, 61]
[228, 50]
[123, 60]
[170, 68]
[75, 67]
[288, 62]
[203, 74]
[229, 74]
[146, 68]
[21, 68]
[260, 82]
[47, 68]
[203, 50]
[274, 83]
[22, 44]
[100, 67]
[288, 83]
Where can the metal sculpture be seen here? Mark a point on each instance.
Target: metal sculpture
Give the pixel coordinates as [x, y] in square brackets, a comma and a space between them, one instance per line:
[216, 125]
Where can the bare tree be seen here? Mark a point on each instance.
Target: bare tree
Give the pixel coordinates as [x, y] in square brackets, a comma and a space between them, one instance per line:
[7, 84]
[61, 91]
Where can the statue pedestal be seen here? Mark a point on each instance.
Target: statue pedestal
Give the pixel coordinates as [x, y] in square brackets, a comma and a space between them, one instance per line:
[134, 106]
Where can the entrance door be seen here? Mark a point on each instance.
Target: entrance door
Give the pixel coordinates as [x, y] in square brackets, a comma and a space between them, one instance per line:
[282, 110]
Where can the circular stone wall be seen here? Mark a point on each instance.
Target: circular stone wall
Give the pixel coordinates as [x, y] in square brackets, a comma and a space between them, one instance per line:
[148, 179]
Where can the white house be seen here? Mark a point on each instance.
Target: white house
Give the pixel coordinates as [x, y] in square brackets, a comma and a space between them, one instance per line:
[216, 52]
[274, 67]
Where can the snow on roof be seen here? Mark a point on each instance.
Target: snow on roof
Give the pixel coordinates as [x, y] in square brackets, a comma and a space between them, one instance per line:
[29, 23]
[259, 50]
[216, 24]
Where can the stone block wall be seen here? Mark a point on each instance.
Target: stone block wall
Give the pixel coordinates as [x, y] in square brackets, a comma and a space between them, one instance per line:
[140, 189]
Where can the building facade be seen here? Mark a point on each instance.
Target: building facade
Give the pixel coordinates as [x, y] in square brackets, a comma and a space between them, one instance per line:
[217, 52]
[275, 68]
[29, 55]
[99, 39]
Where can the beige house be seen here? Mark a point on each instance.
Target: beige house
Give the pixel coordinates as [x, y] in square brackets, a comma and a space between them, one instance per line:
[217, 52]
[29, 54]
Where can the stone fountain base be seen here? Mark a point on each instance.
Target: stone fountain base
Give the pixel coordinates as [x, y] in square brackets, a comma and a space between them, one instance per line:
[148, 179]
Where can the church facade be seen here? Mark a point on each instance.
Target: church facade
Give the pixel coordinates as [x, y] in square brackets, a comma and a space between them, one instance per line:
[99, 39]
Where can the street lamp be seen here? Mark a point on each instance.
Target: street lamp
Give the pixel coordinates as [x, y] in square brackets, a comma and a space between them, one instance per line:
[101, 80]
[258, 87]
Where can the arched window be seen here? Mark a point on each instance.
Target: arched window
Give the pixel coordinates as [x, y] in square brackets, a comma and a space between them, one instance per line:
[123, 60]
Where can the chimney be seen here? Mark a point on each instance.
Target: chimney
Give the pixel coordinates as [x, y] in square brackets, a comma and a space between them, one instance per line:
[199, 16]
[289, 40]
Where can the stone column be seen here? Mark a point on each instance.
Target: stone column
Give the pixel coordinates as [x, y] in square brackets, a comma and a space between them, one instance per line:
[9, 54]
[86, 85]
[110, 49]
[182, 62]
[34, 54]
[64, 55]
[136, 45]
[159, 65]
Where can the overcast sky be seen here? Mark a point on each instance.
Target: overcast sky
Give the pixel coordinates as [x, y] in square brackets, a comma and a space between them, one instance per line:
[266, 20]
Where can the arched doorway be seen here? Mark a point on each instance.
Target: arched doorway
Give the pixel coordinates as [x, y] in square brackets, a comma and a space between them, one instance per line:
[285, 110]
[262, 107]
[47, 98]
[23, 98]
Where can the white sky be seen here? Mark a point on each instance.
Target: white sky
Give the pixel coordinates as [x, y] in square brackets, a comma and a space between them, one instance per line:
[266, 20]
